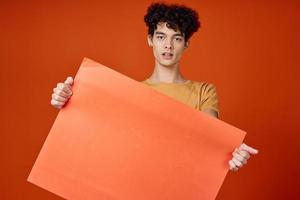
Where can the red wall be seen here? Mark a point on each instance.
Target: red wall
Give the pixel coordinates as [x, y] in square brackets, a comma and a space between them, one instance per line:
[248, 49]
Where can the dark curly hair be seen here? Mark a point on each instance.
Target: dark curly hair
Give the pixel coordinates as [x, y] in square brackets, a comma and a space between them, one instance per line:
[177, 17]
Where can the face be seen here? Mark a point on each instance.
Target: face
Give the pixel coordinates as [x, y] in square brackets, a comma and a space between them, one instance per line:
[168, 45]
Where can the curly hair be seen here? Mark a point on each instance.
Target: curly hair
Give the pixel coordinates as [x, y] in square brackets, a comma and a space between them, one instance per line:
[177, 17]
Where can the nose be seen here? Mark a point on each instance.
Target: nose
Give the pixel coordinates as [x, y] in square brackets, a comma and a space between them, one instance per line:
[168, 44]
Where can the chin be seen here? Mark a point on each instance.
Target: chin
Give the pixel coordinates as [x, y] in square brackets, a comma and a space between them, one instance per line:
[167, 63]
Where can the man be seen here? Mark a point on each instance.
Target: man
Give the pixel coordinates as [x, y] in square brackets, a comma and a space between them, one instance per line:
[169, 29]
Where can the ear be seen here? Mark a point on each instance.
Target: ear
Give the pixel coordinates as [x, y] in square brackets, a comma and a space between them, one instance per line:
[150, 43]
[186, 45]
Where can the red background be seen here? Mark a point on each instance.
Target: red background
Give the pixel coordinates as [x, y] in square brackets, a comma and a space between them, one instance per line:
[248, 49]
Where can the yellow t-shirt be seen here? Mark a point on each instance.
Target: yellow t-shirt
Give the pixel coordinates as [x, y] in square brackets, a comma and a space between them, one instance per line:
[198, 95]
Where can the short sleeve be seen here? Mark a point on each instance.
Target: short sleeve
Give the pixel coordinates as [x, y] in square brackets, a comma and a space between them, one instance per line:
[209, 98]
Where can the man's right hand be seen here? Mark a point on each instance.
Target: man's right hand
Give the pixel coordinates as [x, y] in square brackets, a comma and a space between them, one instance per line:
[62, 93]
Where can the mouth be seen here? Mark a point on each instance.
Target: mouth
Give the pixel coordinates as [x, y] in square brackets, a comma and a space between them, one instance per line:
[167, 55]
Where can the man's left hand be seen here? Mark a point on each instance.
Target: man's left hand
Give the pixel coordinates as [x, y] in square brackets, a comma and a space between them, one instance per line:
[240, 156]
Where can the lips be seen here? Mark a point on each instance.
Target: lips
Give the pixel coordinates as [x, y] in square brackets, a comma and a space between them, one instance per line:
[167, 55]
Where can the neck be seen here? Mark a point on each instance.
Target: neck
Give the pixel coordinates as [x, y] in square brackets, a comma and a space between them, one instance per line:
[166, 74]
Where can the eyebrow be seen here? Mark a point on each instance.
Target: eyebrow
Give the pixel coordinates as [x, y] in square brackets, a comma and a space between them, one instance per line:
[176, 34]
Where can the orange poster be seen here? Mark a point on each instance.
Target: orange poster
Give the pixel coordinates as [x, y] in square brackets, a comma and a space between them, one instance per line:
[118, 139]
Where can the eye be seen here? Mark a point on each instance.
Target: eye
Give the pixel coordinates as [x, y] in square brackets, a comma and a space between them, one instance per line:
[178, 39]
[159, 37]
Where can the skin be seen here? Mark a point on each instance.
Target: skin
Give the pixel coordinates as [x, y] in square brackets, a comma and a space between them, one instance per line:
[164, 39]
[167, 40]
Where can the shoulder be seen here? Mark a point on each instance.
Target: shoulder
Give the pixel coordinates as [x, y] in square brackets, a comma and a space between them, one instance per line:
[144, 81]
[204, 87]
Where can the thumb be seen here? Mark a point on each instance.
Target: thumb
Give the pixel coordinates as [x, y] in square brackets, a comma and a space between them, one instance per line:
[69, 80]
[249, 149]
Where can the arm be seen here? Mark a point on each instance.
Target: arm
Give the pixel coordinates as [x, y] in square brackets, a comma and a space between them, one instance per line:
[211, 112]
[208, 99]
[240, 154]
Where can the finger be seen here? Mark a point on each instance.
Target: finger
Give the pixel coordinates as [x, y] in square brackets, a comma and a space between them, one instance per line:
[237, 163]
[61, 93]
[69, 81]
[239, 157]
[65, 87]
[56, 103]
[231, 164]
[59, 98]
[249, 149]
[236, 150]
[59, 107]
[243, 153]
[233, 167]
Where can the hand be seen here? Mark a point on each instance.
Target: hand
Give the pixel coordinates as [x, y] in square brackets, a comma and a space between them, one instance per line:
[240, 156]
[62, 93]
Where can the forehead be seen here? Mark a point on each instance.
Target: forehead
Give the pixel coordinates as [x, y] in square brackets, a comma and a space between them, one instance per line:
[162, 28]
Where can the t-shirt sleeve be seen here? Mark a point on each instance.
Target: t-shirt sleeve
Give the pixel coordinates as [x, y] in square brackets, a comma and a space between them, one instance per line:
[209, 98]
